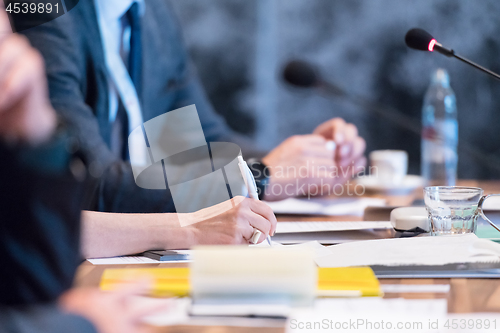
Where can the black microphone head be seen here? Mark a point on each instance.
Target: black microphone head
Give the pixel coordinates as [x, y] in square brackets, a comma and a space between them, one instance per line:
[301, 74]
[420, 39]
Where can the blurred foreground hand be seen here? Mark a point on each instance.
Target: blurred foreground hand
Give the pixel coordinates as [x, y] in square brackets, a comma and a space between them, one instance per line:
[26, 114]
[109, 312]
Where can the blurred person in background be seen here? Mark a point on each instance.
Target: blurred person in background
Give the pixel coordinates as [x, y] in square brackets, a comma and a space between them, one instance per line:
[42, 189]
[87, 51]
[86, 85]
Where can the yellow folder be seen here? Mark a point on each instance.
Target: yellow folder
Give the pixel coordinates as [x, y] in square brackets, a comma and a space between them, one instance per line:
[174, 282]
[348, 281]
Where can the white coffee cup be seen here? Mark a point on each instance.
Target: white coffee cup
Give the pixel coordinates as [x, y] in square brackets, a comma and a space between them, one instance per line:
[389, 166]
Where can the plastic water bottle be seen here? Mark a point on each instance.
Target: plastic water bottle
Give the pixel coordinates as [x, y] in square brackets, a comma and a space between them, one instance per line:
[439, 132]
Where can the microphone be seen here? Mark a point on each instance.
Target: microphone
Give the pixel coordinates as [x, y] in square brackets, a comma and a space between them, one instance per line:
[301, 74]
[420, 39]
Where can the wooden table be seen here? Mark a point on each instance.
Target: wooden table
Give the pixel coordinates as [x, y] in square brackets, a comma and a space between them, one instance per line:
[465, 296]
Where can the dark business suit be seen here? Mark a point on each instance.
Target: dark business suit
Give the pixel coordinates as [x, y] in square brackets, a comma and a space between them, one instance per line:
[40, 207]
[73, 52]
[42, 319]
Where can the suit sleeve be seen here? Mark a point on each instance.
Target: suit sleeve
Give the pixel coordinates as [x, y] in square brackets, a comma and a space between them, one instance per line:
[68, 69]
[41, 198]
[42, 319]
[71, 67]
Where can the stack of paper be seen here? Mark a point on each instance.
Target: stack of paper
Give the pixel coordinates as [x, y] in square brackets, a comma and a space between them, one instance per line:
[325, 206]
[331, 232]
[411, 251]
[124, 260]
[299, 227]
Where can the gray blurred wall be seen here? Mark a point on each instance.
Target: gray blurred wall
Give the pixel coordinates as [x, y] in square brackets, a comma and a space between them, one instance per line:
[240, 46]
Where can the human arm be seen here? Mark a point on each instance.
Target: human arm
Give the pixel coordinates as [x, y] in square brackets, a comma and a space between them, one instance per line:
[230, 222]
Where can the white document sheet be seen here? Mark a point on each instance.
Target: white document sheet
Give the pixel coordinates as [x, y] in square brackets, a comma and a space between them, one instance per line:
[126, 260]
[299, 227]
[412, 251]
[377, 305]
[333, 237]
[140, 259]
[415, 288]
[325, 206]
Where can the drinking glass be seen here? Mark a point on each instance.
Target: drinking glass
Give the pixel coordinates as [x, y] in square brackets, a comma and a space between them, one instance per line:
[455, 209]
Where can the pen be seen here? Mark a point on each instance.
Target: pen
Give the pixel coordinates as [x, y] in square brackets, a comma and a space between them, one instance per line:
[252, 192]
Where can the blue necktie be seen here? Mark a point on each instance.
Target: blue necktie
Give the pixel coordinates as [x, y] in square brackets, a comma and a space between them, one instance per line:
[120, 128]
[135, 55]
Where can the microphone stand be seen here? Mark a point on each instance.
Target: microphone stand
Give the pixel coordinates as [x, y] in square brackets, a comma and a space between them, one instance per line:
[451, 53]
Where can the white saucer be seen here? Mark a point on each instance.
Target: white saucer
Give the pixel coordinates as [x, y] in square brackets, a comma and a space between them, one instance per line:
[408, 184]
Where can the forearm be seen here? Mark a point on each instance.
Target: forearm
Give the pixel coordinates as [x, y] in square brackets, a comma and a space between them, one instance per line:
[112, 234]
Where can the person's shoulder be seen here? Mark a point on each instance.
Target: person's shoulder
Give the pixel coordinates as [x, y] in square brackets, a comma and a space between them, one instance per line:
[71, 26]
[162, 12]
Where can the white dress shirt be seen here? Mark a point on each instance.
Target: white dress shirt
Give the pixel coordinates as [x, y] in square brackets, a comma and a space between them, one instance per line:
[115, 34]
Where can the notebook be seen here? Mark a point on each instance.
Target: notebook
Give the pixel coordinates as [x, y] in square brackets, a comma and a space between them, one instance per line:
[171, 282]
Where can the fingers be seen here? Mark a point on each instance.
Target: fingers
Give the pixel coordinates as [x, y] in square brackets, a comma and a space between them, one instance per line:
[246, 232]
[358, 147]
[338, 130]
[259, 223]
[11, 52]
[332, 130]
[140, 286]
[344, 134]
[309, 139]
[354, 151]
[19, 80]
[149, 306]
[311, 146]
[350, 132]
[269, 219]
[319, 152]
[5, 28]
